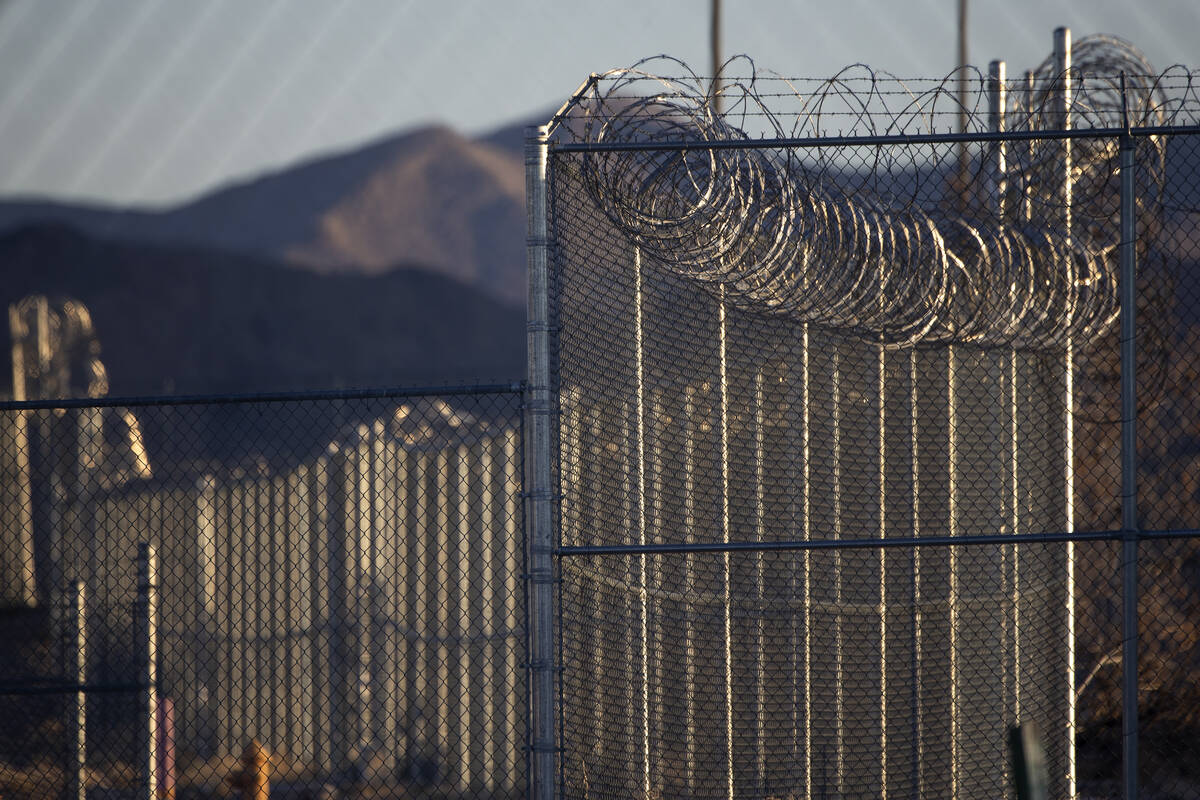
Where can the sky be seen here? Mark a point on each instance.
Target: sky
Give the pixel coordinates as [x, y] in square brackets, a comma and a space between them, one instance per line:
[140, 102]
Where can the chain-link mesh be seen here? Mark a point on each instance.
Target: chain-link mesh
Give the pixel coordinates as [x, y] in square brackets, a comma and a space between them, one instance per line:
[1169, 488]
[793, 672]
[839, 489]
[741, 421]
[339, 578]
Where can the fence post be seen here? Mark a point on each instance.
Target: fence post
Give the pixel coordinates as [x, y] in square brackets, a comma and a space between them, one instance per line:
[1006, 421]
[19, 586]
[201, 710]
[1129, 516]
[75, 630]
[145, 615]
[345, 700]
[540, 521]
[639, 422]
[1063, 101]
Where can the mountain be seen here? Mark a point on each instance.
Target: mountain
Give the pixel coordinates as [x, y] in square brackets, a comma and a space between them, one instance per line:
[194, 320]
[430, 197]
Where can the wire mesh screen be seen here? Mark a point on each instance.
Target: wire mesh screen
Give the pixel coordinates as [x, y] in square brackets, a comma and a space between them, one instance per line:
[808, 390]
[1169, 486]
[339, 579]
[778, 673]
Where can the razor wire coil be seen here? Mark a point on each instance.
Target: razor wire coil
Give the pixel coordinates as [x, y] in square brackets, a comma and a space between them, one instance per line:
[1021, 252]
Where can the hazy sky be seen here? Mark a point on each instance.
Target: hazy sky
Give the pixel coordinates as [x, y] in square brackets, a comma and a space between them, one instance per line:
[137, 101]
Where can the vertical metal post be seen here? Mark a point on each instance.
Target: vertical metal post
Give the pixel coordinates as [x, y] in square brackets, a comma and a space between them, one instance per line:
[725, 537]
[715, 42]
[493, 623]
[75, 628]
[690, 582]
[839, 683]
[1027, 189]
[1062, 115]
[806, 521]
[444, 722]
[86, 461]
[146, 621]
[464, 619]
[760, 534]
[955, 429]
[538, 453]
[516, 613]
[1129, 515]
[20, 579]
[963, 166]
[640, 444]
[881, 432]
[916, 724]
[998, 157]
[998, 178]
[343, 608]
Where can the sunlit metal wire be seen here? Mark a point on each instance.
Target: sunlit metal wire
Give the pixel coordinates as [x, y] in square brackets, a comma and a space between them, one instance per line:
[893, 251]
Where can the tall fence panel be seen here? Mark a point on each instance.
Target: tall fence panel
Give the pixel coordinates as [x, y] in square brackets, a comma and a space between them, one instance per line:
[775, 671]
[844, 497]
[340, 578]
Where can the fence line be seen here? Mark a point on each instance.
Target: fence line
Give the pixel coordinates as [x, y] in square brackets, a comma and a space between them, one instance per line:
[359, 612]
[750, 438]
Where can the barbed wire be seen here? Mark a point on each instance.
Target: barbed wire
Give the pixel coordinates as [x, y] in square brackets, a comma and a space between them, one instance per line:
[898, 248]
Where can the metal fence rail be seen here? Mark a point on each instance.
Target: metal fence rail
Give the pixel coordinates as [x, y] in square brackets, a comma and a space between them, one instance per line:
[340, 577]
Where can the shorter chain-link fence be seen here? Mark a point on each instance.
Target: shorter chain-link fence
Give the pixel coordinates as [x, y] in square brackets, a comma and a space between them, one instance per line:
[338, 577]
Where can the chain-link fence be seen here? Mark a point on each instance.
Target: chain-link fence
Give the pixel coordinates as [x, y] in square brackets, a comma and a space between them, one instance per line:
[841, 493]
[338, 577]
[847, 455]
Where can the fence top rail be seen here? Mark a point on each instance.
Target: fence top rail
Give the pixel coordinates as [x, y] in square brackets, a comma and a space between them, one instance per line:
[513, 387]
[872, 544]
[872, 140]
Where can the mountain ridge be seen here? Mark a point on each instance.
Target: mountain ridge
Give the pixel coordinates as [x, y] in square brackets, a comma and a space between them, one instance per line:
[176, 319]
[429, 196]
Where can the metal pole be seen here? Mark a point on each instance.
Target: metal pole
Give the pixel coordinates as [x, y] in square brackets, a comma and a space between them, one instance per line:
[715, 43]
[916, 725]
[998, 162]
[1129, 515]
[690, 582]
[839, 683]
[955, 430]
[146, 620]
[540, 520]
[997, 123]
[883, 499]
[1062, 107]
[806, 521]
[725, 537]
[76, 632]
[760, 656]
[640, 453]
[962, 100]
[20, 583]
[1027, 189]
